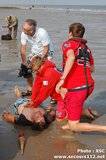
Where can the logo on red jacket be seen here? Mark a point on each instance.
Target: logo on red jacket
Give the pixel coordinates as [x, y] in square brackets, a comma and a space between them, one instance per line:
[45, 83]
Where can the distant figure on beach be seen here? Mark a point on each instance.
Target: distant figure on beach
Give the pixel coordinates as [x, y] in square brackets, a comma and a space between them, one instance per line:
[40, 43]
[78, 64]
[12, 25]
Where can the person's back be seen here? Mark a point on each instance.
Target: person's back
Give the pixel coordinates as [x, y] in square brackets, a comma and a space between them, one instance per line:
[45, 81]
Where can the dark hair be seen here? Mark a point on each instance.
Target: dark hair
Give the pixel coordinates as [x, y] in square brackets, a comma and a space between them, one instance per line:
[31, 22]
[49, 118]
[40, 126]
[77, 30]
[21, 120]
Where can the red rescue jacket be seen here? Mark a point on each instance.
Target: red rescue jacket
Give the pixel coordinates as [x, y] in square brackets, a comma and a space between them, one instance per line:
[76, 76]
[45, 82]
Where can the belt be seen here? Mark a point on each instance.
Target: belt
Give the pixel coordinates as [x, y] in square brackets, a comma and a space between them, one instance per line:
[79, 88]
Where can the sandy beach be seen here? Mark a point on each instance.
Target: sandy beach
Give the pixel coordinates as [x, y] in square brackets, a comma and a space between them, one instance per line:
[53, 141]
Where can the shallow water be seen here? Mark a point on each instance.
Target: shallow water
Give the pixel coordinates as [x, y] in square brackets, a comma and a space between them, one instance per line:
[53, 141]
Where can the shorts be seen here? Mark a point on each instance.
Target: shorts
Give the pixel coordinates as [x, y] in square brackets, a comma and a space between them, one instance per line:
[18, 102]
[74, 102]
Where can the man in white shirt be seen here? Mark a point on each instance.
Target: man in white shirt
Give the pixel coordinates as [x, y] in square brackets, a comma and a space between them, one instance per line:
[39, 41]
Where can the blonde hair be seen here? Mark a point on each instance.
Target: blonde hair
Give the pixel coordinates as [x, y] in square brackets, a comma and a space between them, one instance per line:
[37, 62]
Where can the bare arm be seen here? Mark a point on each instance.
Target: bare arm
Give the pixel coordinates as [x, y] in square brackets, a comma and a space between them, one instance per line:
[23, 54]
[69, 63]
[92, 68]
[13, 24]
[68, 66]
[46, 50]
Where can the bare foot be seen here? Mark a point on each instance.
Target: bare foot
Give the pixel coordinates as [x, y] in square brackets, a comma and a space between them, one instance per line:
[91, 113]
[8, 117]
[17, 92]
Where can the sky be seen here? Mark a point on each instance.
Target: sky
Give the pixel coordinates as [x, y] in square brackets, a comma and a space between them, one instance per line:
[61, 2]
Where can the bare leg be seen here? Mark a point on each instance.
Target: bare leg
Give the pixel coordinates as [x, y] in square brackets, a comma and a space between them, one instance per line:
[14, 32]
[78, 127]
[17, 92]
[10, 31]
[90, 113]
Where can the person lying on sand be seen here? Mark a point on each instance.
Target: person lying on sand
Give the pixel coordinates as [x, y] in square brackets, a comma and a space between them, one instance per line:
[37, 118]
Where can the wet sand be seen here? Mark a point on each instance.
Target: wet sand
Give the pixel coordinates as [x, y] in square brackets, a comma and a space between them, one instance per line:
[53, 141]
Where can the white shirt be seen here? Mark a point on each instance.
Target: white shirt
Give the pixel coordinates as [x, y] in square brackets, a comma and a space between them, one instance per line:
[37, 42]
